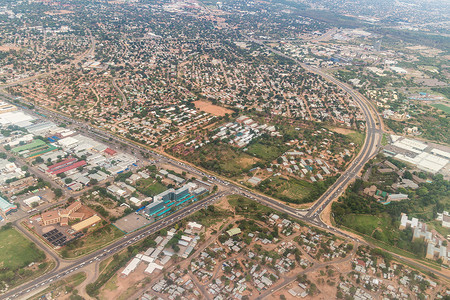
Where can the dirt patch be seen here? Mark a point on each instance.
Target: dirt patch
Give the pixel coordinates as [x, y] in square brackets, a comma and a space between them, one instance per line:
[247, 161]
[6, 48]
[342, 130]
[118, 285]
[211, 108]
[58, 12]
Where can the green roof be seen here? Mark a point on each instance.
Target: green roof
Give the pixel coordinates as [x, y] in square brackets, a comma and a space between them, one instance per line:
[234, 231]
[32, 145]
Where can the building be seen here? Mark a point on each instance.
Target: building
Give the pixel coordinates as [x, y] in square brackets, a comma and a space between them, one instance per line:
[6, 107]
[7, 207]
[234, 231]
[35, 199]
[397, 197]
[437, 251]
[446, 221]
[405, 222]
[421, 232]
[62, 216]
[131, 267]
[86, 223]
[50, 217]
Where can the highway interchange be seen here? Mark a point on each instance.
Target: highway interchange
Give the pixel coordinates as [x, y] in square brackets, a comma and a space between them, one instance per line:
[311, 216]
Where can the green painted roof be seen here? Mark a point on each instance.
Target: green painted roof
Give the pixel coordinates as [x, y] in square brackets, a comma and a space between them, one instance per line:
[234, 231]
[32, 145]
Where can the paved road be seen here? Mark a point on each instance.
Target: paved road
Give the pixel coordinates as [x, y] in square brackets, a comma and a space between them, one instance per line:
[111, 249]
[370, 147]
[368, 150]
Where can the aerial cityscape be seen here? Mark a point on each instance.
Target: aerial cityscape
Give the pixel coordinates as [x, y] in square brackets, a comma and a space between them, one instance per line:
[233, 149]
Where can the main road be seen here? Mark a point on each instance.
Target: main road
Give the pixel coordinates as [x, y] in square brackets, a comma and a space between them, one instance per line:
[370, 148]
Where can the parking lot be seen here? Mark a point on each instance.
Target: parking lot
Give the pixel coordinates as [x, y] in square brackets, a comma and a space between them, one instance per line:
[131, 222]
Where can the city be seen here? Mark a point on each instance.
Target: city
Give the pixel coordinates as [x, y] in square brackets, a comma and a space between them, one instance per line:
[224, 150]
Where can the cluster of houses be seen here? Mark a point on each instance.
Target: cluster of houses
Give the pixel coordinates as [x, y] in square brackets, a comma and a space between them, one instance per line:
[158, 257]
[157, 125]
[178, 287]
[437, 247]
[243, 131]
[395, 281]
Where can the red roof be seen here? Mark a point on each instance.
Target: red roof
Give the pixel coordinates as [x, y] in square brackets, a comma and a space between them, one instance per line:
[361, 263]
[110, 151]
[61, 164]
[68, 168]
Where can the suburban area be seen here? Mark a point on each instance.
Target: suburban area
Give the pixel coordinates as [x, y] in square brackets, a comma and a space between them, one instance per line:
[194, 149]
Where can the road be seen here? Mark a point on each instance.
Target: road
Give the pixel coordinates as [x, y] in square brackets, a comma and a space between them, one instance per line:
[370, 148]
[111, 249]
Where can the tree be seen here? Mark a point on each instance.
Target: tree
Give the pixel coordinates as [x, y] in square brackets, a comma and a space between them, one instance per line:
[58, 193]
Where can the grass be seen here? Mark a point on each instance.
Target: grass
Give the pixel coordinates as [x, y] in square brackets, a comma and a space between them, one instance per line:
[266, 152]
[366, 224]
[111, 285]
[237, 163]
[94, 241]
[16, 251]
[401, 252]
[357, 138]
[293, 188]
[150, 187]
[245, 206]
[210, 216]
[384, 140]
[437, 225]
[57, 287]
[443, 107]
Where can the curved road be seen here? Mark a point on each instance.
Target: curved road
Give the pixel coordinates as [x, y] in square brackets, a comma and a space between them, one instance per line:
[370, 148]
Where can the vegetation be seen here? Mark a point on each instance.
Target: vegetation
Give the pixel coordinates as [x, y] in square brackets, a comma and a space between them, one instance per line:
[119, 260]
[367, 216]
[62, 286]
[16, 254]
[94, 240]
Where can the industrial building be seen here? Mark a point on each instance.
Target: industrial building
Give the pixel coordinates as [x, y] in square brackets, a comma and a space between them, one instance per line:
[86, 223]
[425, 157]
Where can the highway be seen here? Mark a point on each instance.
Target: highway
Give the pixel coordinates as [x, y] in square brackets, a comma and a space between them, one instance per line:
[109, 250]
[369, 149]
[312, 216]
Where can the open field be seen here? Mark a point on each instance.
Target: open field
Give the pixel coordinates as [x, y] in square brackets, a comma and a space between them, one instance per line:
[265, 152]
[150, 187]
[443, 107]
[282, 188]
[211, 108]
[16, 251]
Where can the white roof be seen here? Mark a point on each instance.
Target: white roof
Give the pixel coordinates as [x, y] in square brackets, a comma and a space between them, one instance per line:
[151, 267]
[131, 266]
[68, 141]
[14, 117]
[441, 153]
